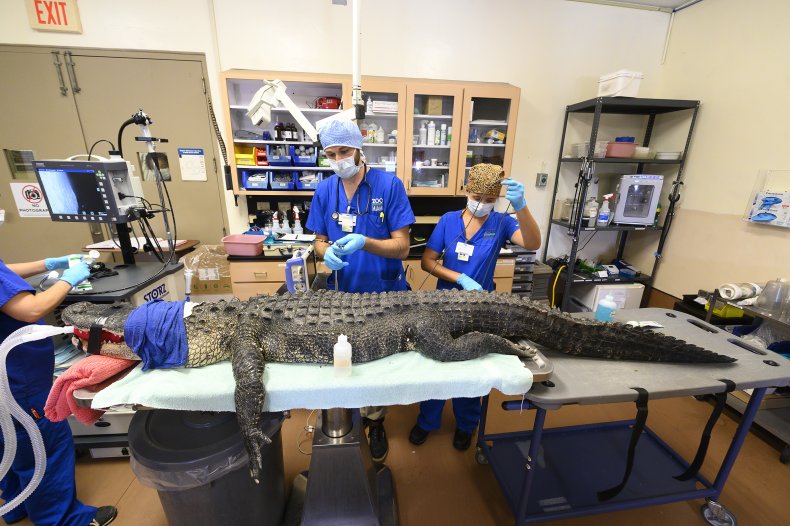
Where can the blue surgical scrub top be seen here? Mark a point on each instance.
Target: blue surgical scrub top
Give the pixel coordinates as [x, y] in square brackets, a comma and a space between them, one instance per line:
[382, 207]
[487, 241]
[30, 365]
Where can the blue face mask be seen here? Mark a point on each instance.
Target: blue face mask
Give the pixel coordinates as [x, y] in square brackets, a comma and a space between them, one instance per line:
[344, 168]
[479, 209]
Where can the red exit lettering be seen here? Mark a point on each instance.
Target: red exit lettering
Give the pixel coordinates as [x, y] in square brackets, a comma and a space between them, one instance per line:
[56, 13]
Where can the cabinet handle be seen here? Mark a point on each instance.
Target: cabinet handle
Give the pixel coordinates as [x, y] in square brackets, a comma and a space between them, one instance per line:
[75, 87]
[264, 274]
[56, 62]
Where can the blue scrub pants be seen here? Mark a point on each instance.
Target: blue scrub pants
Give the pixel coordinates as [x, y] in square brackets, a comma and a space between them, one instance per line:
[466, 410]
[54, 502]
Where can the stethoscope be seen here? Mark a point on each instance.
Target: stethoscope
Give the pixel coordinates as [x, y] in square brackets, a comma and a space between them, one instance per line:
[336, 213]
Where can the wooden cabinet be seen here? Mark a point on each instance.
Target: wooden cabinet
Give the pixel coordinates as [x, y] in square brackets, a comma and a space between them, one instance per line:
[420, 280]
[250, 278]
[468, 111]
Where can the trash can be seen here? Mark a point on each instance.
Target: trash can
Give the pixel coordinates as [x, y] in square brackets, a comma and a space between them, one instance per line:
[199, 466]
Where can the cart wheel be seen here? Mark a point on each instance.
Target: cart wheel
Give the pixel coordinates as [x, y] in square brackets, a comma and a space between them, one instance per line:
[480, 457]
[784, 456]
[717, 515]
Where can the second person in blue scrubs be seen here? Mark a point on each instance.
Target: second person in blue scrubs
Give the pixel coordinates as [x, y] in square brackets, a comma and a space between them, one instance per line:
[462, 253]
[361, 218]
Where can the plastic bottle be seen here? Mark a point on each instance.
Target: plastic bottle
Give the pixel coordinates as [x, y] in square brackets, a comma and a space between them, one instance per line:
[380, 135]
[431, 137]
[297, 222]
[369, 104]
[276, 228]
[604, 214]
[449, 135]
[591, 211]
[443, 135]
[658, 214]
[423, 134]
[605, 309]
[342, 356]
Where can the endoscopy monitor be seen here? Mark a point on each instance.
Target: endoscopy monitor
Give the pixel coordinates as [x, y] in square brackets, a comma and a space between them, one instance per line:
[86, 191]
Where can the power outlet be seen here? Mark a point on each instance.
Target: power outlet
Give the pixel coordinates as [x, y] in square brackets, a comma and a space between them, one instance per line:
[542, 179]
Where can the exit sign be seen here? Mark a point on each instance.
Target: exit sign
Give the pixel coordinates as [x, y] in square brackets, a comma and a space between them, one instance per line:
[54, 15]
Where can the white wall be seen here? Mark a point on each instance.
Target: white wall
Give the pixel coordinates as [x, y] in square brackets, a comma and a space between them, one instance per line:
[553, 49]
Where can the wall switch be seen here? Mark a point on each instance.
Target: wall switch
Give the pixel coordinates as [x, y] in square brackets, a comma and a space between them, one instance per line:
[542, 179]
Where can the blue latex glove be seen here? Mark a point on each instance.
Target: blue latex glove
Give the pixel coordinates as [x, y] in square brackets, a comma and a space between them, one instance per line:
[332, 259]
[76, 274]
[61, 262]
[349, 244]
[468, 283]
[515, 194]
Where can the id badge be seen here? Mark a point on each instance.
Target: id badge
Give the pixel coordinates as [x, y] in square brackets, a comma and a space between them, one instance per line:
[464, 251]
[348, 222]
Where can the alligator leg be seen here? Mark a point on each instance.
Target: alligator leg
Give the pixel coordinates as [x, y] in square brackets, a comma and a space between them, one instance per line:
[434, 340]
[247, 355]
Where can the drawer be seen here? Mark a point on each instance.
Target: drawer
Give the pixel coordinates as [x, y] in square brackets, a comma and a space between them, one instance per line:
[245, 291]
[257, 272]
[504, 268]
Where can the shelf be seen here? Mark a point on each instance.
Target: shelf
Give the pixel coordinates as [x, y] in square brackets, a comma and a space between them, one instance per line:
[633, 106]
[484, 145]
[431, 146]
[278, 193]
[774, 421]
[429, 117]
[616, 160]
[378, 145]
[303, 110]
[579, 277]
[612, 228]
[284, 168]
[430, 168]
[379, 165]
[371, 115]
[483, 122]
[261, 141]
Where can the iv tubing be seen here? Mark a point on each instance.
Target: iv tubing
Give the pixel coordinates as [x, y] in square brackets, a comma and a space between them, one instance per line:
[9, 408]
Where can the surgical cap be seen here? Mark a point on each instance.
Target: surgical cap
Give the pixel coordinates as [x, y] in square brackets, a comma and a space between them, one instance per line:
[340, 132]
[485, 179]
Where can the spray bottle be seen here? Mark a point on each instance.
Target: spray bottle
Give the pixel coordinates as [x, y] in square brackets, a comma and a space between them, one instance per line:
[297, 222]
[604, 214]
[276, 228]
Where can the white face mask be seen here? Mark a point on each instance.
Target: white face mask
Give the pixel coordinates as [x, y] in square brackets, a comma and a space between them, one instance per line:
[344, 168]
[479, 209]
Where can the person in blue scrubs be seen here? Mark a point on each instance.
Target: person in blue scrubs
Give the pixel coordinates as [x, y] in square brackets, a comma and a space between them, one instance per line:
[361, 218]
[462, 253]
[30, 367]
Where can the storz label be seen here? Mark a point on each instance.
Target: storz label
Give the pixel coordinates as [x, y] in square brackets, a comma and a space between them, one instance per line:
[157, 293]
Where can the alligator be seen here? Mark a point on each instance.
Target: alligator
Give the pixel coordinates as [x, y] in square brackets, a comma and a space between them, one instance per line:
[443, 325]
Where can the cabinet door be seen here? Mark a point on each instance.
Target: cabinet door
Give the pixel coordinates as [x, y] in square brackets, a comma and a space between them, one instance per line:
[386, 110]
[418, 278]
[38, 115]
[264, 152]
[488, 112]
[438, 104]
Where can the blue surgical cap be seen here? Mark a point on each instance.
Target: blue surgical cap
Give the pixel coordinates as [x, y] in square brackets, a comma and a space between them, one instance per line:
[340, 132]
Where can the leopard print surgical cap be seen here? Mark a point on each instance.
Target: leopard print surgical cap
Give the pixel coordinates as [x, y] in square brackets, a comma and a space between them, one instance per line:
[485, 179]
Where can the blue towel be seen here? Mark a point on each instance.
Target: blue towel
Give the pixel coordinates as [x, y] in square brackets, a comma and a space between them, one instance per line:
[155, 332]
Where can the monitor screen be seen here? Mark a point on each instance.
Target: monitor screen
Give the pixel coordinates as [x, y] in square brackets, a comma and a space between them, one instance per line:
[74, 192]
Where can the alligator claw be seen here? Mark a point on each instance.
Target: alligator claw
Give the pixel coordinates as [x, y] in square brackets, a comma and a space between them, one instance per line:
[255, 440]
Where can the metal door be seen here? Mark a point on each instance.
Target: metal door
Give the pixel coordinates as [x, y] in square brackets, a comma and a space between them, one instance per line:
[37, 113]
[172, 91]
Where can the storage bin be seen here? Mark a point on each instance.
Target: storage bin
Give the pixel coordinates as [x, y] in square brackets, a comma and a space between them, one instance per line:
[254, 179]
[308, 185]
[621, 83]
[301, 160]
[245, 155]
[277, 180]
[624, 150]
[242, 245]
[278, 155]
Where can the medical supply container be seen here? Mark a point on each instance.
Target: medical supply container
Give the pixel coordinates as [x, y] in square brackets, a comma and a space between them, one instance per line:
[242, 245]
[342, 356]
[621, 83]
[605, 309]
[197, 462]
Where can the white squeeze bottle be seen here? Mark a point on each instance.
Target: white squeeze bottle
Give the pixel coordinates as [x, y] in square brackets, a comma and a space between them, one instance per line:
[443, 135]
[342, 356]
[423, 133]
[605, 309]
[431, 133]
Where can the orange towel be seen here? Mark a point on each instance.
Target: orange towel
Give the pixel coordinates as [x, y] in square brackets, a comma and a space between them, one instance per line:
[91, 370]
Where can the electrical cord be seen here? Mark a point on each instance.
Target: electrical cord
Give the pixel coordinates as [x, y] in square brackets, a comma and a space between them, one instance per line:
[554, 286]
[90, 151]
[307, 429]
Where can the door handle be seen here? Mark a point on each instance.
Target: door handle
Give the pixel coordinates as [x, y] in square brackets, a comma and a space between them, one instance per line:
[56, 62]
[75, 87]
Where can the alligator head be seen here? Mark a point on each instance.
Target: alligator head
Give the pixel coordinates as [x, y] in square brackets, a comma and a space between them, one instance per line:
[112, 319]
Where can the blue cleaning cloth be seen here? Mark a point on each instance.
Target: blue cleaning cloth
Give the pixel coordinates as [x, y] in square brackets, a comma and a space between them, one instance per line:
[155, 331]
[340, 132]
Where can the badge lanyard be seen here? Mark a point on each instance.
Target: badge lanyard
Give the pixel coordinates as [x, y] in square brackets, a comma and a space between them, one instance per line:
[348, 221]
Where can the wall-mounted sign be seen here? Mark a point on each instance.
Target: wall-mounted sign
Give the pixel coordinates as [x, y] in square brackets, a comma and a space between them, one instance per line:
[54, 15]
[29, 200]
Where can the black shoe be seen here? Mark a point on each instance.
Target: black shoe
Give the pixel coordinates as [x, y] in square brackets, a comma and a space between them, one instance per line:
[418, 435]
[14, 521]
[461, 440]
[377, 437]
[104, 515]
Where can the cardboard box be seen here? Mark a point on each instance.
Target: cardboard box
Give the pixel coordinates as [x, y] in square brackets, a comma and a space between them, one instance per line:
[433, 105]
[770, 401]
[210, 270]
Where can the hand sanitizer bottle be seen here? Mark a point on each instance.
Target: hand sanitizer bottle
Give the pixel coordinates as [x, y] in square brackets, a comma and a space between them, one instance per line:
[342, 357]
[605, 309]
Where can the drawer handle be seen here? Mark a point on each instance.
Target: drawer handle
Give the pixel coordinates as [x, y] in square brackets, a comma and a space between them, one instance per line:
[264, 274]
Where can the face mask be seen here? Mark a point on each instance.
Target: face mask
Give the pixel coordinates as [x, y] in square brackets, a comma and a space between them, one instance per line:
[344, 168]
[479, 209]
